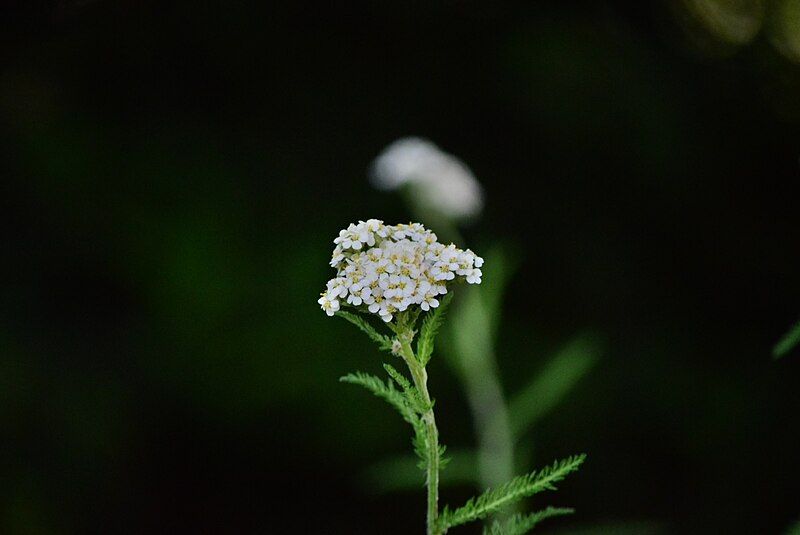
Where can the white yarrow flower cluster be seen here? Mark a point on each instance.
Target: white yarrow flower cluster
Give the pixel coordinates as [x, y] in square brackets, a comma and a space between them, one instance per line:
[437, 180]
[386, 269]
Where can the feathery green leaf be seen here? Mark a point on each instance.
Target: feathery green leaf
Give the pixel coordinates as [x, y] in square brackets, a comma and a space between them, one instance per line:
[383, 341]
[420, 444]
[520, 524]
[430, 327]
[444, 462]
[408, 403]
[788, 342]
[385, 391]
[494, 500]
[412, 394]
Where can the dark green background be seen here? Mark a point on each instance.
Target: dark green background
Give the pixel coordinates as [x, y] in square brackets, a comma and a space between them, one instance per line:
[173, 174]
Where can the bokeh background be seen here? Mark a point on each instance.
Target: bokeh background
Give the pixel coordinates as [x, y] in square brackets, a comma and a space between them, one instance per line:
[173, 174]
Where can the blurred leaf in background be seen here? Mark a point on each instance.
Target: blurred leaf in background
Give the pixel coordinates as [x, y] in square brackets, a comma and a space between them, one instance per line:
[784, 31]
[171, 175]
[788, 342]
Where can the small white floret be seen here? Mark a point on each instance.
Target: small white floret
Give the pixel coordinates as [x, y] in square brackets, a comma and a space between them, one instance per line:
[386, 269]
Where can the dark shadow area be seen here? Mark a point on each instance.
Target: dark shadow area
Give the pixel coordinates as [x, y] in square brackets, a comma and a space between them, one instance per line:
[173, 174]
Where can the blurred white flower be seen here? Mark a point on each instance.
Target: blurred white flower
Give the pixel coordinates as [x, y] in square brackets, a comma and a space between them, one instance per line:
[437, 181]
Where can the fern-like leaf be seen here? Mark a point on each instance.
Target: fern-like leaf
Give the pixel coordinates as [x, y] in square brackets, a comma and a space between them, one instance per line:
[430, 327]
[412, 394]
[444, 462]
[415, 401]
[420, 443]
[521, 524]
[383, 341]
[494, 500]
[407, 404]
[387, 392]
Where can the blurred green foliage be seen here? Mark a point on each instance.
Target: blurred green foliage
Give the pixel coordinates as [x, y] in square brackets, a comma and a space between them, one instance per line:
[171, 177]
[788, 342]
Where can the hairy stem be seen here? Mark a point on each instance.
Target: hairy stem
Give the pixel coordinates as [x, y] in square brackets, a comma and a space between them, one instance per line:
[420, 377]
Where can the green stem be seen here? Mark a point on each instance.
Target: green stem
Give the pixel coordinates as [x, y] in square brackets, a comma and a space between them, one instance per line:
[420, 377]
